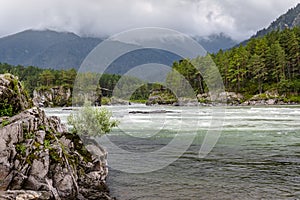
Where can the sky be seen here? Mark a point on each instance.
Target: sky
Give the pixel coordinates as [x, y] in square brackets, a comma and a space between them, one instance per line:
[238, 19]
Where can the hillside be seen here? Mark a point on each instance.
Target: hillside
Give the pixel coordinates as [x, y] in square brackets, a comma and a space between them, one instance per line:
[45, 49]
[290, 19]
[215, 42]
[61, 50]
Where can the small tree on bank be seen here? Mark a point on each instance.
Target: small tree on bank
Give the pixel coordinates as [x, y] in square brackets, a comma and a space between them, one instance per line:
[92, 121]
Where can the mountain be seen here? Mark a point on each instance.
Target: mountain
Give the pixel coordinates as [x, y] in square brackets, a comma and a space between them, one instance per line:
[45, 49]
[288, 20]
[62, 50]
[215, 42]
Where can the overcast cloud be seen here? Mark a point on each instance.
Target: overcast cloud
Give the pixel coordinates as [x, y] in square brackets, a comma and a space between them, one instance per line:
[236, 18]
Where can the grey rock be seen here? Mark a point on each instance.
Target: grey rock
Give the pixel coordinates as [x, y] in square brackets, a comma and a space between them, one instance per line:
[26, 164]
[40, 136]
[39, 159]
[117, 101]
[24, 195]
[223, 98]
[271, 101]
[54, 96]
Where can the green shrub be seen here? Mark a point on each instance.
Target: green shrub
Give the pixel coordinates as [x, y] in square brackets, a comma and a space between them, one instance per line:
[29, 135]
[5, 123]
[295, 99]
[6, 109]
[92, 121]
[43, 88]
[142, 101]
[105, 101]
[47, 144]
[21, 149]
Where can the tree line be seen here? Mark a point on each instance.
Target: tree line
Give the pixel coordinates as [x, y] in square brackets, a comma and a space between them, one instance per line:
[34, 78]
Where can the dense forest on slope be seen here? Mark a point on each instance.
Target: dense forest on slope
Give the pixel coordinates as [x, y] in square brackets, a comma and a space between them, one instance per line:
[271, 62]
[268, 63]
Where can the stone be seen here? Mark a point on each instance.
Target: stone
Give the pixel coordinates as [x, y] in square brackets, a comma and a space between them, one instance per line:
[40, 136]
[30, 169]
[24, 195]
[271, 101]
[39, 159]
[272, 94]
[117, 101]
[223, 98]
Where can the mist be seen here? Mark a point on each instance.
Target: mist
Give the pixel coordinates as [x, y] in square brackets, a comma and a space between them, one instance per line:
[101, 18]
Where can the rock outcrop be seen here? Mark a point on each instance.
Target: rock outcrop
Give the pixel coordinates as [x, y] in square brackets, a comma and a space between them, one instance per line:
[61, 96]
[38, 154]
[13, 98]
[267, 98]
[161, 97]
[223, 98]
[54, 96]
[229, 98]
[39, 159]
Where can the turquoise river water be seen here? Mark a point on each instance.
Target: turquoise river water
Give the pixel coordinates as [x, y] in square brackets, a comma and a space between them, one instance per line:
[257, 155]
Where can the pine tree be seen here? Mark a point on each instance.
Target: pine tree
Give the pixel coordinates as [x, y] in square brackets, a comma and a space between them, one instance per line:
[276, 63]
[47, 78]
[256, 65]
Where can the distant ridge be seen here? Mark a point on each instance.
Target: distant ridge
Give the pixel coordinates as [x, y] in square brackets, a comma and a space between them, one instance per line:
[63, 50]
[215, 42]
[290, 19]
[45, 49]
[287, 20]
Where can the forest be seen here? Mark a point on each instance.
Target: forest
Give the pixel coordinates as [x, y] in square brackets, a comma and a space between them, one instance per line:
[271, 62]
[268, 63]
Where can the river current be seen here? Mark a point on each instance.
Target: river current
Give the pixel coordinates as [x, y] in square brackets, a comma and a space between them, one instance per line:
[257, 155]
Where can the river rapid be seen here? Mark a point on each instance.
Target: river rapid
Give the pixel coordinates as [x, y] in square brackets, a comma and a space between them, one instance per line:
[256, 157]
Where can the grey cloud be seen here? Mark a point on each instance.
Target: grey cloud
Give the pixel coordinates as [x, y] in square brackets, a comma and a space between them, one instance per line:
[236, 18]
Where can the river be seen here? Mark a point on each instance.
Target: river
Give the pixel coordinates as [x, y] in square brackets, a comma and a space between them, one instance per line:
[256, 157]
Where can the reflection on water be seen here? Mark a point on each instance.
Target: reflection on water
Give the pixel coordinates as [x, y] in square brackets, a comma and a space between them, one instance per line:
[256, 157]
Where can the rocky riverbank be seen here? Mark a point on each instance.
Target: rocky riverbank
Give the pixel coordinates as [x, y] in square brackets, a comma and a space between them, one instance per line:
[39, 159]
[52, 97]
[224, 98]
[60, 96]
